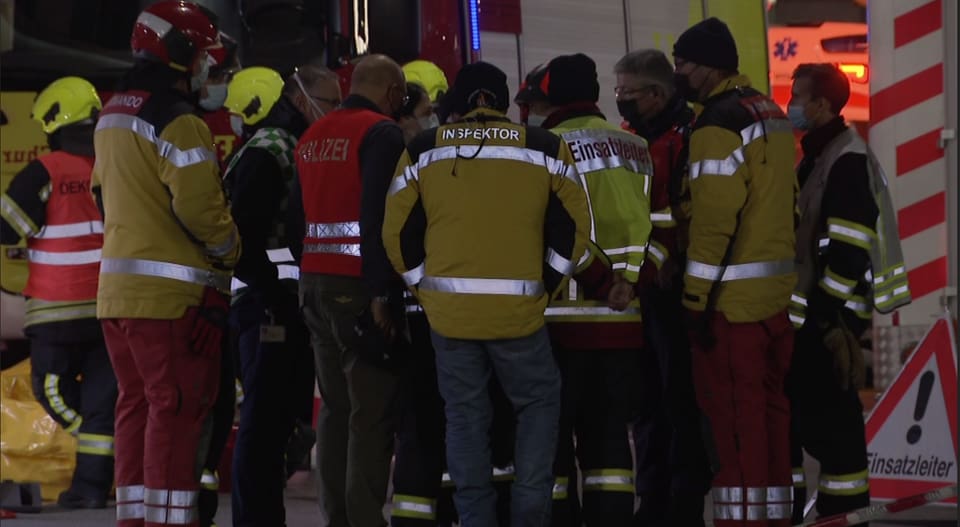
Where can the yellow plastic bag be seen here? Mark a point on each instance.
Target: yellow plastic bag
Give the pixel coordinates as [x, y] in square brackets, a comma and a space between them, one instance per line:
[33, 447]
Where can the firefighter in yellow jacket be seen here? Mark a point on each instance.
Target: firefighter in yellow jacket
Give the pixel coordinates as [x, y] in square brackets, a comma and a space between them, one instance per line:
[739, 275]
[169, 243]
[484, 220]
[596, 347]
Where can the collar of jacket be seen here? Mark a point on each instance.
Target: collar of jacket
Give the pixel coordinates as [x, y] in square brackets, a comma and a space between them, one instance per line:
[675, 113]
[485, 114]
[572, 111]
[359, 101]
[816, 140]
[283, 115]
[729, 84]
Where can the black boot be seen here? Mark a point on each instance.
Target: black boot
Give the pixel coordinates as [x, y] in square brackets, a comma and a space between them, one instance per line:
[686, 510]
[652, 511]
[70, 499]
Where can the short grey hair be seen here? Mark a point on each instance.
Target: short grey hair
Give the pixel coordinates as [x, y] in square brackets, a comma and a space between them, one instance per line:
[310, 74]
[649, 64]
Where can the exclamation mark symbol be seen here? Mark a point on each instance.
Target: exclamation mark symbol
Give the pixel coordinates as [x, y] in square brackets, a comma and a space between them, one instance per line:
[923, 397]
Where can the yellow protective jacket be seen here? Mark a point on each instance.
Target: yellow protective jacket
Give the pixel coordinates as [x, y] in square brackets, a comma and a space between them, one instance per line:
[615, 170]
[743, 200]
[484, 220]
[167, 228]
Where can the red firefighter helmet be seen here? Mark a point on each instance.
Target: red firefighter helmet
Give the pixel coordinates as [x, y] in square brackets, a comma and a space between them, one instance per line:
[535, 87]
[174, 32]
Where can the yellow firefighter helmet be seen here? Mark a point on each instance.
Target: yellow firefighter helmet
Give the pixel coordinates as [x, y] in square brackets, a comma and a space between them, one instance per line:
[66, 101]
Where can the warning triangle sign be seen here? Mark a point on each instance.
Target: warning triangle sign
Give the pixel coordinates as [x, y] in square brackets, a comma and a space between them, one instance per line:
[912, 431]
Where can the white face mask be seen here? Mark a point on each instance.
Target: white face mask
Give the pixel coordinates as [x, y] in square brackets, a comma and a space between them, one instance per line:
[197, 81]
[534, 119]
[216, 96]
[236, 124]
[426, 123]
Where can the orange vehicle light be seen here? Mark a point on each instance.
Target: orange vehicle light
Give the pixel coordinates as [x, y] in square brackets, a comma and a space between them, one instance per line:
[859, 73]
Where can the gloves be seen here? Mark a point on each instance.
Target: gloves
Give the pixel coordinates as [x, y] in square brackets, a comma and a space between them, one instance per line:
[848, 364]
[210, 323]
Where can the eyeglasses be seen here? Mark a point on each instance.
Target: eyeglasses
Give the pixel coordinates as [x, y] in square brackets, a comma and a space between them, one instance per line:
[621, 91]
[331, 102]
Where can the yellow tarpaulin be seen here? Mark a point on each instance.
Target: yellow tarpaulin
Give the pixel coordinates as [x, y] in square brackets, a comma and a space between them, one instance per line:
[33, 447]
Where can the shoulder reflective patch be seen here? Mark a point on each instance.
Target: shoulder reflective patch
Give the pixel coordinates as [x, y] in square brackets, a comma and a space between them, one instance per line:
[599, 149]
[760, 128]
[717, 167]
[508, 153]
[179, 158]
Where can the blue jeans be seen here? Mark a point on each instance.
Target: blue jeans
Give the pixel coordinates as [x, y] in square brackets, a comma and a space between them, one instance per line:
[530, 378]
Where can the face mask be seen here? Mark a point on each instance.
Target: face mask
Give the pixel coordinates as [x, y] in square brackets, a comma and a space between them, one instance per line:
[628, 110]
[426, 123]
[795, 114]
[682, 84]
[535, 119]
[197, 81]
[236, 124]
[216, 96]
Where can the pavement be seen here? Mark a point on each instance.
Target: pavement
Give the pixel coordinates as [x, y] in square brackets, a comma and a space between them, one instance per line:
[302, 511]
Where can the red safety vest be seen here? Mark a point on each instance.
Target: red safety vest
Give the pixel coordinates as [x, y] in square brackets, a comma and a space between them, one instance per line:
[65, 255]
[328, 164]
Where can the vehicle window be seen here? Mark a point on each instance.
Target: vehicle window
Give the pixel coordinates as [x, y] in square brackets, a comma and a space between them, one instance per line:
[845, 44]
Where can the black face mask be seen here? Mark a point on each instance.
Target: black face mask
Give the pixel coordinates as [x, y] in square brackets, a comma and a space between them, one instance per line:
[628, 110]
[682, 84]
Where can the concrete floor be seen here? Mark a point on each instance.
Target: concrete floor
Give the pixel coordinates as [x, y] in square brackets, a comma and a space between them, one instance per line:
[302, 512]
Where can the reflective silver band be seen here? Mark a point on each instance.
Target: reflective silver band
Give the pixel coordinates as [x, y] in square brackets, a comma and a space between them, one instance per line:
[170, 516]
[728, 494]
[346, 249]
[130, 511]
[167, 270]
[779, 511]
[130, 493]
[588, 311]
[414, 276]
[65, 258]
[170, 498]
[756, 494]
[758, 129]
[11, 212]
[176, 156]
[482, 286]
[726, 511]
[69, 230]
[717, 167]
[346, 229]
[779, 494]
[559, 263]
[739, 271]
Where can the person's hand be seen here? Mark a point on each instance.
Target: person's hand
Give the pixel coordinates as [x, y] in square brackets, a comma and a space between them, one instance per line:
[382, 319]
[621, 294]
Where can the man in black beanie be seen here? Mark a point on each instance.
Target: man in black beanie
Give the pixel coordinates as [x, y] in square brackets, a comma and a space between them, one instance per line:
[739, 276]
[484, 220]
[596, 346]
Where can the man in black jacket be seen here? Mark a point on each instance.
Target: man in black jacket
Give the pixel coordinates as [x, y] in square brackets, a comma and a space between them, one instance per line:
[275, 361]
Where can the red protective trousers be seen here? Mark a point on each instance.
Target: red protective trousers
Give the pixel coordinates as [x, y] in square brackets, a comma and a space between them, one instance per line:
[740, 388]
[167, 388]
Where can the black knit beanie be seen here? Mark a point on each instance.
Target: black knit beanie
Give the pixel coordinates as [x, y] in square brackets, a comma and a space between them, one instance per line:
[573, 78]
[708, 43]
[476, 80]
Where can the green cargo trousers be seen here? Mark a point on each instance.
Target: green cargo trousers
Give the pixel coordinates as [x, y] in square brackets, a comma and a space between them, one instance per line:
[357, 420]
